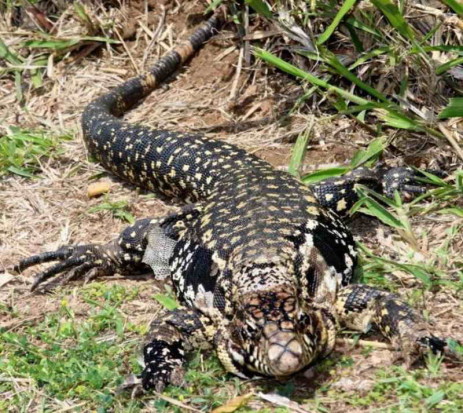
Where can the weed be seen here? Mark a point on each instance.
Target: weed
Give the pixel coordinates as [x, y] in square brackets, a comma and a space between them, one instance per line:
[22, 151]
[119, 209]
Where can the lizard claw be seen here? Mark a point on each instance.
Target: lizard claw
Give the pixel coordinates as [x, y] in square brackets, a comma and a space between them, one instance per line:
[406, 181]
[163, 365]
[75, 261]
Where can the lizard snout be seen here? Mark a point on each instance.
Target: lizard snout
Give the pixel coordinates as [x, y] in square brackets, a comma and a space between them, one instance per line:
[285, 354]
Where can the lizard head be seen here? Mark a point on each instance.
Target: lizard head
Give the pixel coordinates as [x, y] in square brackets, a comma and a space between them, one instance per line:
[275, 333]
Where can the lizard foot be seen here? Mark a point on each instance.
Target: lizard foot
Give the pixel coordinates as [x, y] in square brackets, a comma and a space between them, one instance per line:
[407, 181]
[88, 261]
[163, 365]
[416, 343]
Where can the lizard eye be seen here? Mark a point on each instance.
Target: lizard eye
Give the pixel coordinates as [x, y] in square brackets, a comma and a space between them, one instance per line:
[304, 321]
[255, 312]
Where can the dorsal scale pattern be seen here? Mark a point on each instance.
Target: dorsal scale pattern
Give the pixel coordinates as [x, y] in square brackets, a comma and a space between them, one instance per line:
[250, 212]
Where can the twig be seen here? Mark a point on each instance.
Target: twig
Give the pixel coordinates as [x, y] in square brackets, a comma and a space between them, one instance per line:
[365, 343]
[14, 380]
[176, 402]
[237, 75]
[247, 45]
[128, 51]
[73, 407]
[452, 140]
[155, 36]
[282, 401]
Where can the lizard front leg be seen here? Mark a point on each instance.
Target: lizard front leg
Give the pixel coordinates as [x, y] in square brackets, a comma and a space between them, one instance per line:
[171, 334]
[339, 195]
[359, 307]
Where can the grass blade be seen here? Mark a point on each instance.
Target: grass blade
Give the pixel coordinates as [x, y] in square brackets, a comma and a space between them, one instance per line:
[21, 150]
[59, 44]
[417, 271]
[375, 209]
[456, 6]
[260, 7]
[20, 171]
[346, 6]
[343, 71]
[5, 53]
[367, 56]
[352, 21]
[453, 110]
[457, 211]
[117, 208]
[299, 151]
[448, 65]
[440, 48]
[324, 174]
[84, 17]
[213, 5]
[166, 301]
[392, 13]
[399, 120]
[295, 71]
[374, 149]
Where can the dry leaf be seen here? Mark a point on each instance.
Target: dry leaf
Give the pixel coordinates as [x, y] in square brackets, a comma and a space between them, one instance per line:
[5, 279]
[348, 384]
[283, 402]
[233, 404]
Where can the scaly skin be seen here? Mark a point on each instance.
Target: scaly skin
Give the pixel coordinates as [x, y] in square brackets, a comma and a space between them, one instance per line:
[260, 262]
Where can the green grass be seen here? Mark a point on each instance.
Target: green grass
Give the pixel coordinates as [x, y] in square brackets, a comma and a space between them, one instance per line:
[405, 388]
[83, 357]
[398, 47]
[63, 355]
[443, 198]
[84, 360]
[22, 151]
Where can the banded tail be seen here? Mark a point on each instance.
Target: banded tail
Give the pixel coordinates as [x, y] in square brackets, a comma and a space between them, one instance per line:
[179, 166]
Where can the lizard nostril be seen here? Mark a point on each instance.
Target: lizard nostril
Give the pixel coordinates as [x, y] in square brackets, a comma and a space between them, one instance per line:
[288, 363]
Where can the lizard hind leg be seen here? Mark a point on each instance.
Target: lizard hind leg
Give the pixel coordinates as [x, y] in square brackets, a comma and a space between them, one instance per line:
[122, 255]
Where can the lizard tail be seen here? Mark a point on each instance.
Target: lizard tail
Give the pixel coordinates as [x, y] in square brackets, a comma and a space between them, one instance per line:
[168, 163]
[123, 97]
